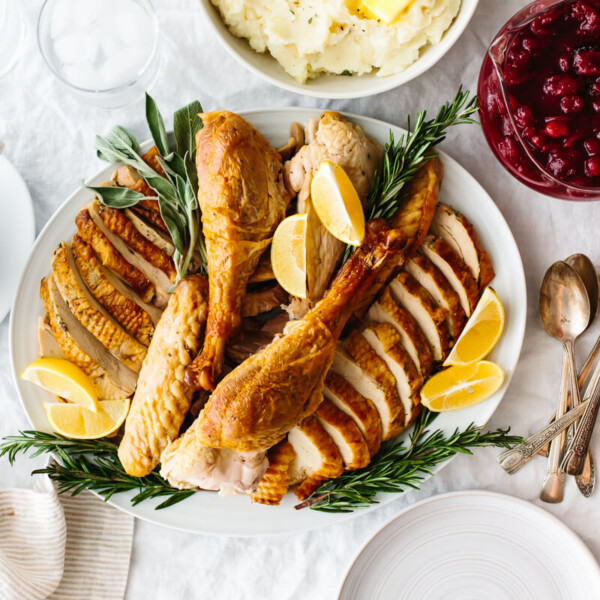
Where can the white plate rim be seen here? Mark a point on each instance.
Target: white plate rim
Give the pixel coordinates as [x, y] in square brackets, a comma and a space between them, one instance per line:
[565, 530]
[299, 114]
[426, 60]
[27, 207]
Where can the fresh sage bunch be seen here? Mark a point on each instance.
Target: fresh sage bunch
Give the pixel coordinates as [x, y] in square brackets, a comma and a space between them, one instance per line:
[176, 191]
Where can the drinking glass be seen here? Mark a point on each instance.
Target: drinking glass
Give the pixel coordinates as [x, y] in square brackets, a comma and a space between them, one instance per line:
[12, 34]
[105, 51]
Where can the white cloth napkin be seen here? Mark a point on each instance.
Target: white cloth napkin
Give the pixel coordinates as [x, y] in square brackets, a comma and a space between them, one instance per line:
[62, 547]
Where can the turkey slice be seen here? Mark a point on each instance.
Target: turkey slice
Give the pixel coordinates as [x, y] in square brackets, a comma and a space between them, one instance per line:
[362, 410]
[345, 435]
[430, 317]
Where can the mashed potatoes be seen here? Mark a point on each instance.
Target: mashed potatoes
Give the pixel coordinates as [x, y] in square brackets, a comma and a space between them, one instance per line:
[310, 37]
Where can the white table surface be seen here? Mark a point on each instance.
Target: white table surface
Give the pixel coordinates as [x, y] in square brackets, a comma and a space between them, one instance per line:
[49, 137]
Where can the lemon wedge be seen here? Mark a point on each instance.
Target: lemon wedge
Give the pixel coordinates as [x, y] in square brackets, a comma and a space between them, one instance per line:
[63, 378]
[288, 255]
[481, 332]
[461, 386]
[387, 10]
[337, 203]
[75, 421]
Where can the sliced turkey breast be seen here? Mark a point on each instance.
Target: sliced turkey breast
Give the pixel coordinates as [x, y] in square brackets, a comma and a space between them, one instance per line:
[317, 458]
[433, 280]
[49, 347]
[345, 435]
[387, 310]
[454, 269]
[455, 229]
[429, 316]
[152, 311]
[111, 258]
[274, 484]
[156, 236]
[391, 410]
[86, 346]
[386, 342]
[362, 410]
[129, 315]
[91, 314]
[126, 176]
[162, 282]
[104, 386]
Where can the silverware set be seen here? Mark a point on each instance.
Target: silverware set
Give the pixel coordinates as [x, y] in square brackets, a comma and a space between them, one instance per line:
[569, 297]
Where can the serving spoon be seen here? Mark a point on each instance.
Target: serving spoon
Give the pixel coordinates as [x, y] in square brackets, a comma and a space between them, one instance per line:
[584, 267]
[565, 314]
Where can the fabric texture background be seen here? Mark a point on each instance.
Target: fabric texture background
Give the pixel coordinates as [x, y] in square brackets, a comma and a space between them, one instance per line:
[49, 137]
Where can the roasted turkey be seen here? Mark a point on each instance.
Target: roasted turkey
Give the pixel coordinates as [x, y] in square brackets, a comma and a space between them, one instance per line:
[243, 198]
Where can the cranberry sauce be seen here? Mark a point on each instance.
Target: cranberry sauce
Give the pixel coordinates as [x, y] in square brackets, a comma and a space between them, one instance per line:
[551, 69]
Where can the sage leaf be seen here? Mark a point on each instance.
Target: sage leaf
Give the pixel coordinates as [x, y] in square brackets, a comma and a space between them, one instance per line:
[107, 152]
[116, 197]
[175, 222]
[124, 141]
[156, 126]
[186, 123]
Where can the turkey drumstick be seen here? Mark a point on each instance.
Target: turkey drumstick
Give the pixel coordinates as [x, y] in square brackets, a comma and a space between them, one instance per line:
[243, 198]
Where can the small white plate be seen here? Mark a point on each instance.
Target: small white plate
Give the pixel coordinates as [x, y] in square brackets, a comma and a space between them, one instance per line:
[206, 512]
[17, 231]
[470, 546]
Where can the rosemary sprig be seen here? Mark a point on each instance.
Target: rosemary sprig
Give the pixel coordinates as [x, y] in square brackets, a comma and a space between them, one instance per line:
[402, 158]
[175, 191]
[397, 467]
[75, 470]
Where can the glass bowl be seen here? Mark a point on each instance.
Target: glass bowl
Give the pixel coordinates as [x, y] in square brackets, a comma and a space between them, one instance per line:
[531, 159]
[105, 51]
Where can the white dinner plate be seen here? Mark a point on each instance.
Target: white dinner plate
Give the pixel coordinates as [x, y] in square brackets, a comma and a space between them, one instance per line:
[473, 545]
[17, 231]
[206, 512]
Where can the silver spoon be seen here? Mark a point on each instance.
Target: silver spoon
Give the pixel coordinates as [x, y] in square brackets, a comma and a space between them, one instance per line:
[565, 314]
[584, 267]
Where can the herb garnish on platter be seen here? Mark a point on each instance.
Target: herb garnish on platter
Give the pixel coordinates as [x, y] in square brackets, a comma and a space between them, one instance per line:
[402, 158]
[397, 467]
[176, 190]
[392, 470]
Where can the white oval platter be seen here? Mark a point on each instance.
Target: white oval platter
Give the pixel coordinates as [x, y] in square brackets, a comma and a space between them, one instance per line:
[207, 512]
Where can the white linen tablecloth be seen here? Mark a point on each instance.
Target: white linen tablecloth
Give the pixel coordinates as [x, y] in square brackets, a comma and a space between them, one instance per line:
[49, 137]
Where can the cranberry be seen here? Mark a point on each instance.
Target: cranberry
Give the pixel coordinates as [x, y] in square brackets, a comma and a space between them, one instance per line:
[518, 59]
[530, 44]
[563, 163]
[592, 146]
[524, 116]
[587, 16]
[572, 140]
[543, 24]
[557, 128]
[560, 85]
[587, 61]
[571, 104]
[594, 88]
[564, 63]
[509, 149]
[592, 166]
[596, 106]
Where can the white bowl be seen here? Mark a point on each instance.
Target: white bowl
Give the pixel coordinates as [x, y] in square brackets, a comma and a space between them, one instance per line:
[334, 86]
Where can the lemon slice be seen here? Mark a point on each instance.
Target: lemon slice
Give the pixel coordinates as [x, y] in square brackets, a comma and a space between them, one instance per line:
[481, 332]
[74, 421]
[64, 379]
[288, 255]
[337, 203]
[461, 386]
